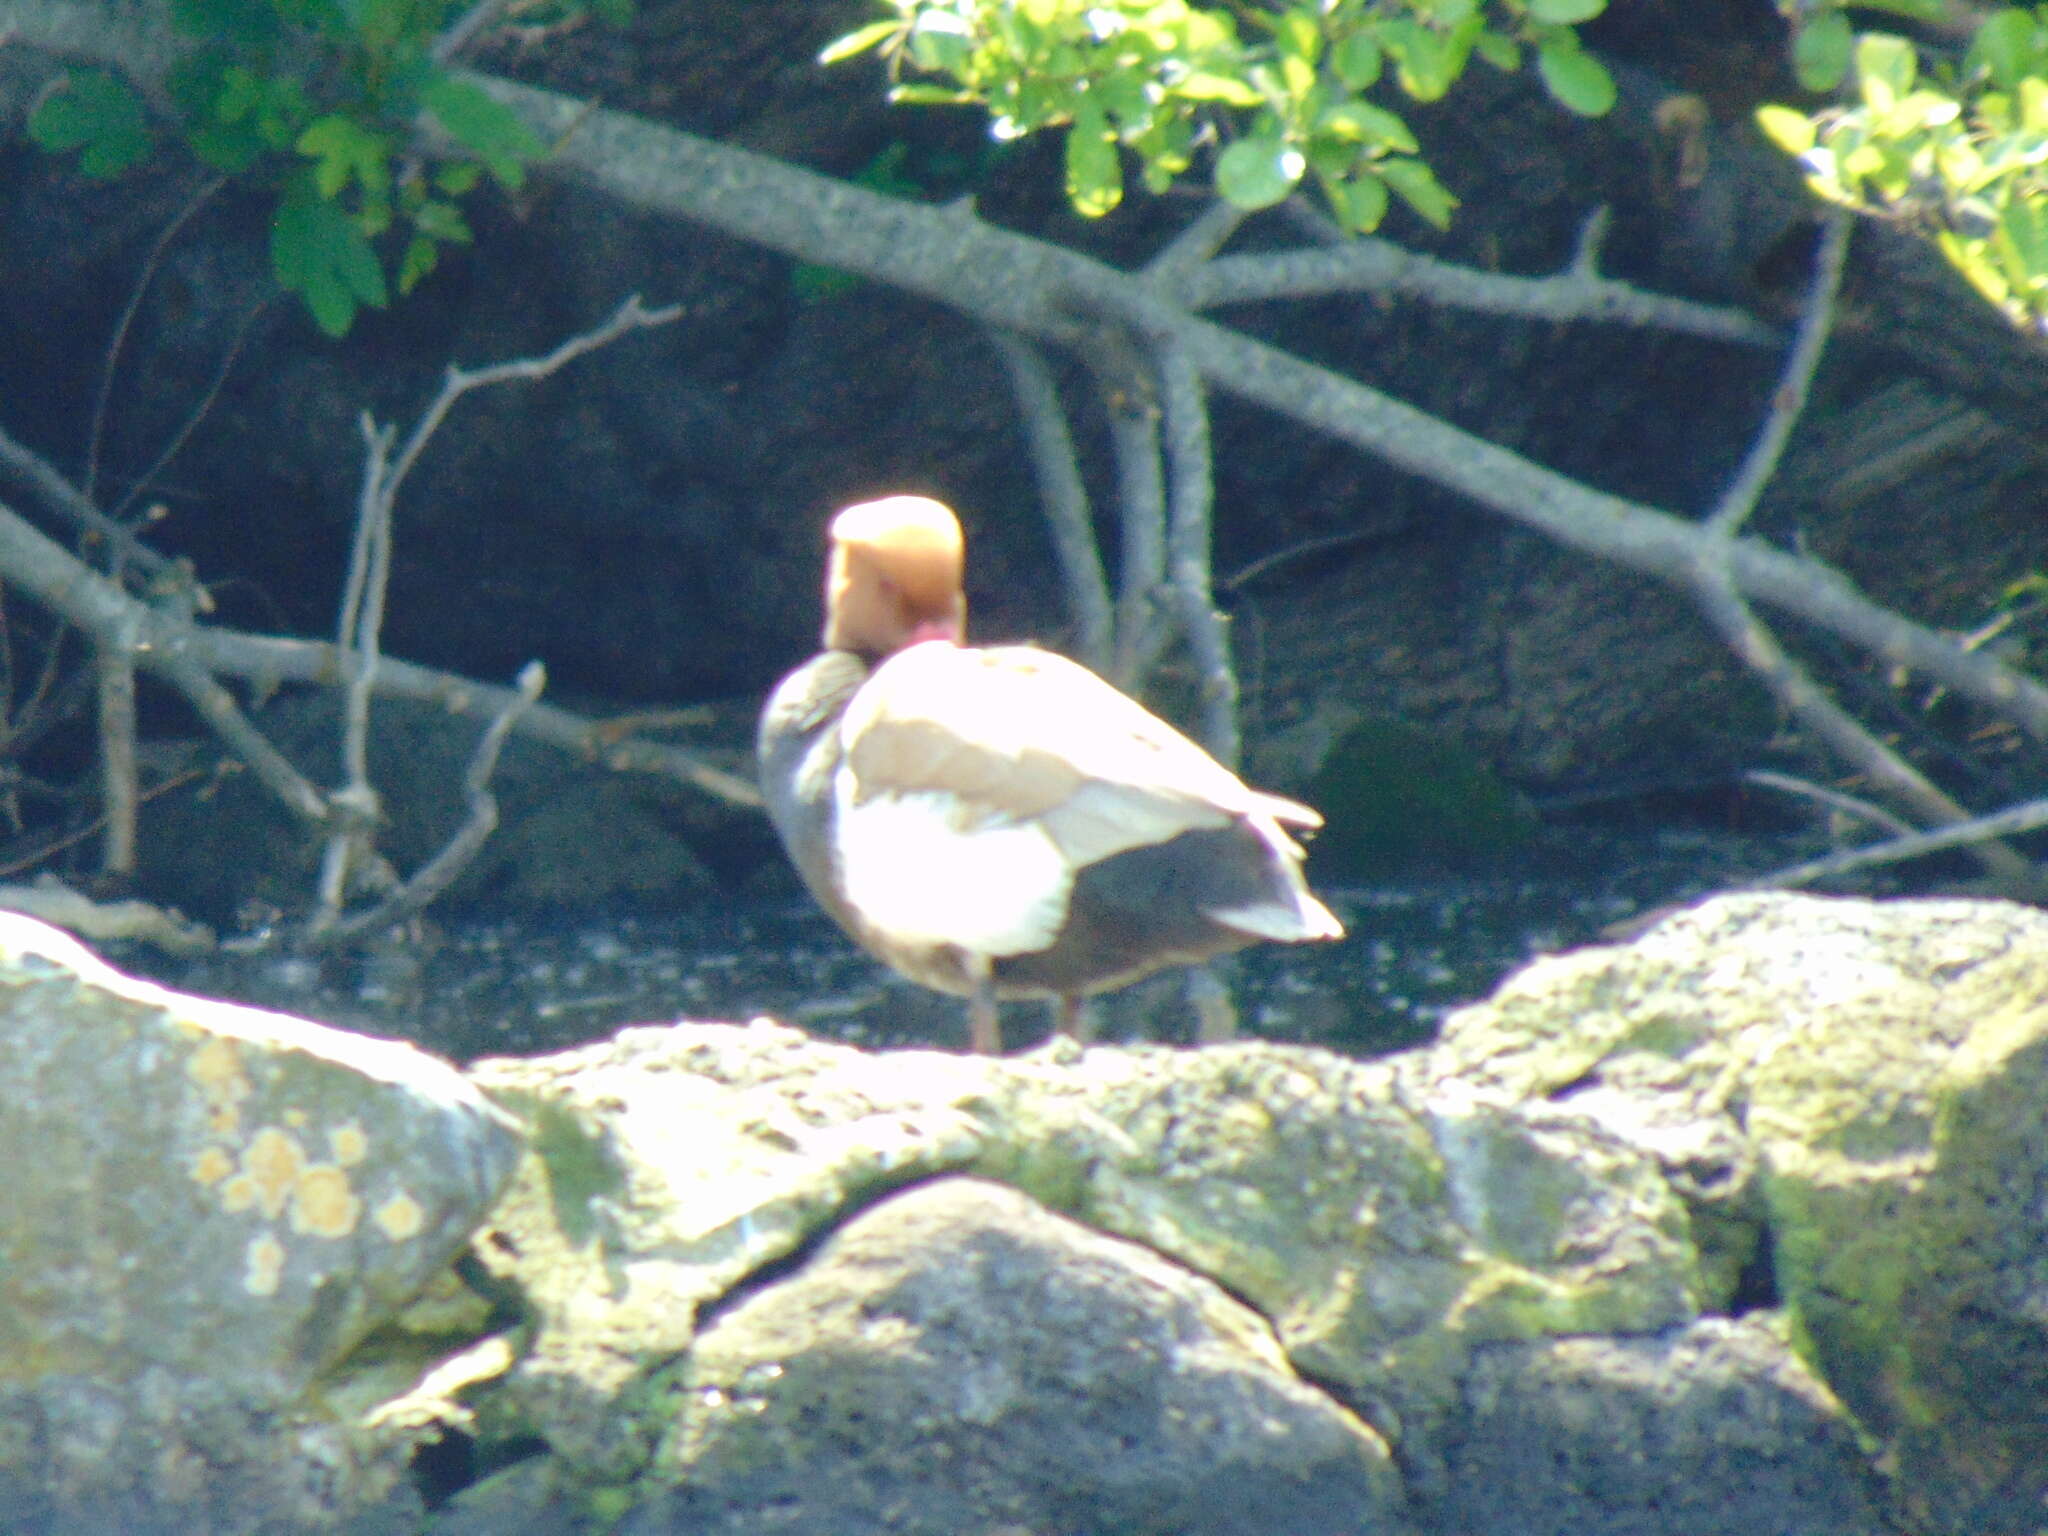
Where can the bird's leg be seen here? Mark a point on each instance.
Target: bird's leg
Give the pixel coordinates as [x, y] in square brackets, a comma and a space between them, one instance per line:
[1071, 1017]
[984, 1024]
[1215, 1013]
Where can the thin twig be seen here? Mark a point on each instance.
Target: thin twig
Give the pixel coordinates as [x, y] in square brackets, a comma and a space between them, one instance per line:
[630, 316]
[200, 408]
[1372, 266]
[96, 434]
[1253, 570]
[362, 601]
[434, 877]
[217, 707]
[45, 851]
[1062, 495]
[1834, 799]
[1788, 401]
[2010, 822]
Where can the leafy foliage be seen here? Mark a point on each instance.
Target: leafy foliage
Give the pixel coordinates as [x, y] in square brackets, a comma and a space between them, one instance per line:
[1282, 90]
[1953, 142]
[317, 99]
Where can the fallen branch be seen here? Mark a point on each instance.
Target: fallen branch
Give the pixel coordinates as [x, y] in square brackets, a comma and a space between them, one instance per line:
[434, 877]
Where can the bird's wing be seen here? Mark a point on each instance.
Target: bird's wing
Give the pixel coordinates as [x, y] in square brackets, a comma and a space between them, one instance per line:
[1018, 735]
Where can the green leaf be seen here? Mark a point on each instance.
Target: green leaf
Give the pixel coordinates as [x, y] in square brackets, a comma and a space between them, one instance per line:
[919, 93]
[1932, 11]
[1299, 36]
[1500, 51]
[1574, 78]
[1358, 61]
[1228, 89]
[1820, 51]
[859, 41]
[2033, 95]
[2023, 231]
[1419, 189]
[1359, 203]
[98, 116]
[1885, 68]
[1968, 258]
[1565, 13]
[1360, 122]
[422, 255]
[940, 42]
[343, 150]
[318, 252]
[1258, 172]
[1426, 62]
[485, 126]
[443, 221]
[456, 177]
[1791, 131]
[1095, 178]
[2003, 47]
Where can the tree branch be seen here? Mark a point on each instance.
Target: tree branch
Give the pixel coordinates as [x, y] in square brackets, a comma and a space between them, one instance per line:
[1191, 497]
[1062, 494]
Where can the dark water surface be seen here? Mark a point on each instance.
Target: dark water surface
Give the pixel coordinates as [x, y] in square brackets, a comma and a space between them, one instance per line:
[1415, 950]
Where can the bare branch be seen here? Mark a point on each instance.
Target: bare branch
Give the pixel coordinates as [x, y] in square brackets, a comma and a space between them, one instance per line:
[1848, 805]
[199, 410]
[1834, 726]
[2010, 822]
[95, 437]
[120, 790]
[271, 659]
[1374, 266]
[1713, 586]
[78, 509]
[1141, 633]
[438, 873]
[630, 316]
[1191, 497]
[1788, 401]
[1198, 243]
[1062, 494]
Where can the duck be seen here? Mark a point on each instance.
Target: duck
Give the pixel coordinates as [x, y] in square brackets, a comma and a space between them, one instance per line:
[1000, 822]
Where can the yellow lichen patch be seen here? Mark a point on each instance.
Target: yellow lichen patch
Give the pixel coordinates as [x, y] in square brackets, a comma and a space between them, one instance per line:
[238, 1194]
[272, 1163]
[323, 1204]
[217, 1068]
[295, 1118]
[212, 1165]
[348, 1144]
[265, 1265]
[400, 1217]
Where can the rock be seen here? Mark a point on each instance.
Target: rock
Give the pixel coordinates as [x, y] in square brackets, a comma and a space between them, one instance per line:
[1732, 1229]
[1854, 1098]
[205, 1207]
[1384, 1239]
[1715, 1429]
[958, 1359]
